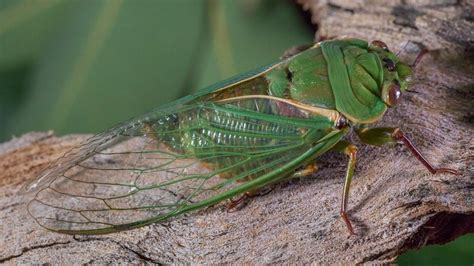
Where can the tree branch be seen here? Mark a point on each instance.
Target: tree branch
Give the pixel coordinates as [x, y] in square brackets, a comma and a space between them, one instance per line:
[395, 203]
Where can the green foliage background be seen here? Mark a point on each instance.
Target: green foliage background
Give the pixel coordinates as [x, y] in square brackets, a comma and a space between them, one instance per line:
[82, 66]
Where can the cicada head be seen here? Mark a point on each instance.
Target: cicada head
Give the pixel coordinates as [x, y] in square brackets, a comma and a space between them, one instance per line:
[396, 74]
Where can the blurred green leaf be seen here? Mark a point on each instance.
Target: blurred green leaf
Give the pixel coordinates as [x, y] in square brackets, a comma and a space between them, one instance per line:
[112, 60]
[458, 252]
[109, 60]
[248, 34]
[26, 26]
[14, 85]
[25, 29]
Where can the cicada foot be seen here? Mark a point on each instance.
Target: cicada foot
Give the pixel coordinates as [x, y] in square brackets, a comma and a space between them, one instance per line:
[239, 203]
[243, 200]
[232, 206]
[347, 222]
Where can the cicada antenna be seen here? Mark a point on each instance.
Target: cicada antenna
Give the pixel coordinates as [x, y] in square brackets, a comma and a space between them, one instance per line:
[403, 48]
[419, 56]
[411, 91]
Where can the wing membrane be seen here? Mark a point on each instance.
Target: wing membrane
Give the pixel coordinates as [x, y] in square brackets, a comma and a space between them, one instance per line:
[174, 160]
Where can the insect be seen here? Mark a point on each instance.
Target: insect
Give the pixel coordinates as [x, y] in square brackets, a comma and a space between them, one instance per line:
[227, 141]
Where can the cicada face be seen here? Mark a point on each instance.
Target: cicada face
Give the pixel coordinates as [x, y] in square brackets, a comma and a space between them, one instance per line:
[396, 73]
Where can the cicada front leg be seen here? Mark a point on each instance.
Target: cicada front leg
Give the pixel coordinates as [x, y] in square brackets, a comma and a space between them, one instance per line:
[382, 135]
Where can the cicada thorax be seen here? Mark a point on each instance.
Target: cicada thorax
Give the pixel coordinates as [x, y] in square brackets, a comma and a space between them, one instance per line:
[304, 78]
[344, 75]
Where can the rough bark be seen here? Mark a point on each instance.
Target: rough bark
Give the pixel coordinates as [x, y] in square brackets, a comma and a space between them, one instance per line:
[395, 203]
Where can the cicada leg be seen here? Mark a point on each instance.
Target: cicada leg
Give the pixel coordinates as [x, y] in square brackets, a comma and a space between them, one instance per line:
[247, 195]
[306, 171]
[234, 203]
[350, 150]
[419, 56]
[380, 136]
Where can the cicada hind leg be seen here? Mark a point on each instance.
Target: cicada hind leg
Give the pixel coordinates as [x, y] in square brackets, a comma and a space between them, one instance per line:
[309, 169]
[241, 201]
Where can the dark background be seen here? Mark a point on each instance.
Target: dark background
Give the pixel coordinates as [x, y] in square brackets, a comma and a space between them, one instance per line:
[82, 66]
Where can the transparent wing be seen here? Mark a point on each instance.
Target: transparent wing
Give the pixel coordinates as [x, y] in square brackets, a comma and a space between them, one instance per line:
[172, 161]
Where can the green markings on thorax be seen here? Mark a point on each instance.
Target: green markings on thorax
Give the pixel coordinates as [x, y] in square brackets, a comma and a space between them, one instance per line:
[304, 78]
[340, 75]
[343, 75]
[360, 105]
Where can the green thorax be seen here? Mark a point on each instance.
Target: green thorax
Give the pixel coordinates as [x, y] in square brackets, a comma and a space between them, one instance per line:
[345, 75]
[340, 74]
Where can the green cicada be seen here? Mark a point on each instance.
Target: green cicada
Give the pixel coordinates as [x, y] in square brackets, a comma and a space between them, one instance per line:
[227, 141]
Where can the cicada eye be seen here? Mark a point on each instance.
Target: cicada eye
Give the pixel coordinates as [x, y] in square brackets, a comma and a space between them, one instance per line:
[379, 44]
[394, 94]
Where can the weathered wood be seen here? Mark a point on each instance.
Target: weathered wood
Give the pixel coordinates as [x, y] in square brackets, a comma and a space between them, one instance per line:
[395, 203]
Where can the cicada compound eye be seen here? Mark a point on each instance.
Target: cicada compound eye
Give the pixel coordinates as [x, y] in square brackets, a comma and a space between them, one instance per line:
[394, 94]
[380, 44]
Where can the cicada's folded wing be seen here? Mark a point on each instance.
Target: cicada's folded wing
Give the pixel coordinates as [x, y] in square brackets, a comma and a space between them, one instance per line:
[176, 160]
